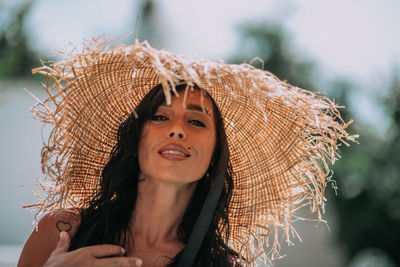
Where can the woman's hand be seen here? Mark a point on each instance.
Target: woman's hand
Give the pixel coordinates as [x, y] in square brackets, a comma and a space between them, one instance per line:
[99, 255]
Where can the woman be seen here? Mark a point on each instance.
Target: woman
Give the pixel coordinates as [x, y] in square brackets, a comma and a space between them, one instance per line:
[154, 171]
[172, 169]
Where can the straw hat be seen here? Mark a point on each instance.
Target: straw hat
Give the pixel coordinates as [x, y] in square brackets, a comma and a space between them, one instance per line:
[281, 138]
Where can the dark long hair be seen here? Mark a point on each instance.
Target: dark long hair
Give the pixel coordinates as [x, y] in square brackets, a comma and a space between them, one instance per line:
[106, 219]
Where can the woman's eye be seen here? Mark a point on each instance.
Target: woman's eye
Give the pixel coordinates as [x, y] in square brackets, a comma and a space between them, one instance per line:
[197, 123]
[159, 118]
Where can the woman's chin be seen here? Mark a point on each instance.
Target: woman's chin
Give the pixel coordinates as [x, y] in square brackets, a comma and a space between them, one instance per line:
[177, 178]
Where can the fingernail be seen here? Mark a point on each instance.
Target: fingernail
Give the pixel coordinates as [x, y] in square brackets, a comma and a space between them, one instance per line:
[139, 262]
[62, 234]
[123, 251]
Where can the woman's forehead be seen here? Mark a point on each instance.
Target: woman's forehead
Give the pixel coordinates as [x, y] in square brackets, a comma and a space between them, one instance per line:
[193, 99]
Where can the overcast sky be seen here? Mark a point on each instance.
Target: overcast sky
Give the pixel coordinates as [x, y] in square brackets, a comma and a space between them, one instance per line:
[350, 38]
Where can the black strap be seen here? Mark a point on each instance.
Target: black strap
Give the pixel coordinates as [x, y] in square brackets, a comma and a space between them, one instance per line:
[206, 215]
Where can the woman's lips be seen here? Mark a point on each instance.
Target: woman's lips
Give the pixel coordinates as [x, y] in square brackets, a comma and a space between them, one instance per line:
[174, 152]
[172, 156]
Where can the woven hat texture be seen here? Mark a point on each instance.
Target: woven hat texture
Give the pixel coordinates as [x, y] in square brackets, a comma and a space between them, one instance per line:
[282, 139]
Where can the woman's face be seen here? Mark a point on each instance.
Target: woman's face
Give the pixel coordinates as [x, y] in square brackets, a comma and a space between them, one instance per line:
[177, 144]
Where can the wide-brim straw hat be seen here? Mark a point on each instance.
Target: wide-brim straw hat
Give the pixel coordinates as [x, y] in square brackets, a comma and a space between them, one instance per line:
[282, 139]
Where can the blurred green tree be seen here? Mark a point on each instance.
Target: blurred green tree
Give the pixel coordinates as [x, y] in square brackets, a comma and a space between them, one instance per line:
[271, 44]
[368, 178]
[16, 57]
[368, 203]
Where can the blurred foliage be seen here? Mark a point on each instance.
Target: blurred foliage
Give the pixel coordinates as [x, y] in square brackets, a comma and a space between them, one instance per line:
[149, 22]
[368, 176]
[368, 203]
[271, 44]
[16, 57]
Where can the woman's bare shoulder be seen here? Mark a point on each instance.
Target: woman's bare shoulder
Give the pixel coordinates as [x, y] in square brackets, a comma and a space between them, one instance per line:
[61, 220]
[45, 235]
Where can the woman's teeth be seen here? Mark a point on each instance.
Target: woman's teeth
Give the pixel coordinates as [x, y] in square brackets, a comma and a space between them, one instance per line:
[173, 152]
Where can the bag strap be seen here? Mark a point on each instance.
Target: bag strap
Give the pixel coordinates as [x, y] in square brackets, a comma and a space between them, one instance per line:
[206, 215]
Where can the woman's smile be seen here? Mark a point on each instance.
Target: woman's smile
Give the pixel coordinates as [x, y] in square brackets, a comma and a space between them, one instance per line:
[174, 151]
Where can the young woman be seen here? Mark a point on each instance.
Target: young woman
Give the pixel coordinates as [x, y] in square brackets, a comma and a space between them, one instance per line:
[158, 160]
[160, 173]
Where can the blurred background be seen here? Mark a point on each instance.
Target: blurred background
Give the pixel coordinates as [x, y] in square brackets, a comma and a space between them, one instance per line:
[349, 50]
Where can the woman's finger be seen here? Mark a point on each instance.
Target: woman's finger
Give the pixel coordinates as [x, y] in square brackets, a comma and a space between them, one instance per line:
[120, 261]
[63, 243]
[100, 251]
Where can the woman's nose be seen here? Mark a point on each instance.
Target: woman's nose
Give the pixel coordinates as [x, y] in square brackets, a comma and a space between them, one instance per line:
[176, 131]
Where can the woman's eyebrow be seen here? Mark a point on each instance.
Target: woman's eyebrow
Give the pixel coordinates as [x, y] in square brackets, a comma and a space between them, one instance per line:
[191, 107]
[197, 108]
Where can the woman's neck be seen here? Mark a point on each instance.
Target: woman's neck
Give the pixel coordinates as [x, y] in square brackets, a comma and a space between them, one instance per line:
[159, 210]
